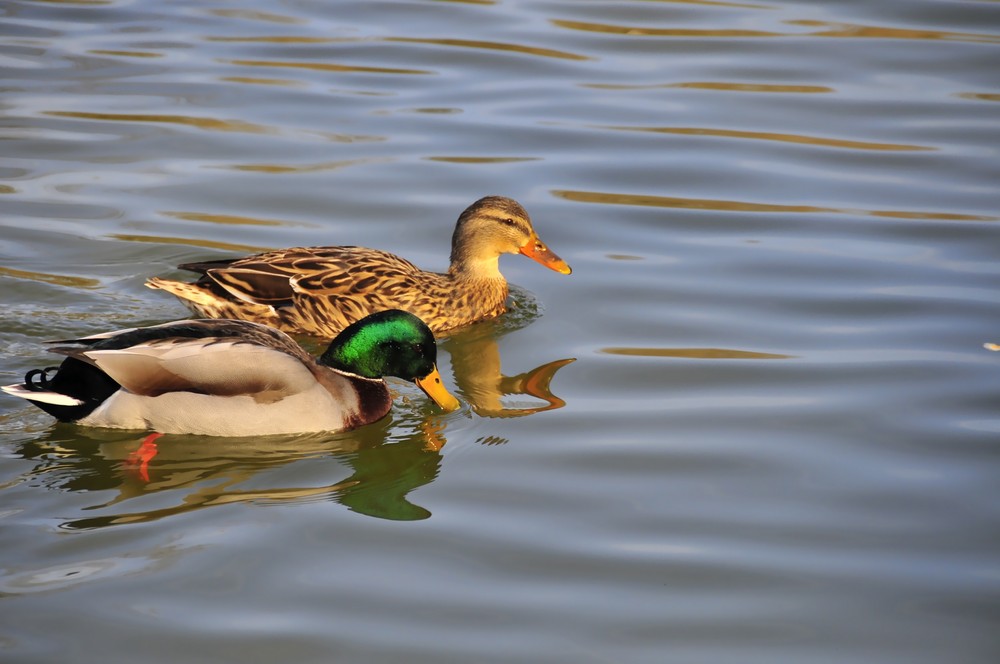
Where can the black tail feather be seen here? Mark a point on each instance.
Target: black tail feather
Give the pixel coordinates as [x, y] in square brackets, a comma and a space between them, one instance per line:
[76, 379]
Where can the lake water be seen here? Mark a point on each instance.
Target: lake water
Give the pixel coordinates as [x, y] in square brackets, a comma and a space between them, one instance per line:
[758, 423]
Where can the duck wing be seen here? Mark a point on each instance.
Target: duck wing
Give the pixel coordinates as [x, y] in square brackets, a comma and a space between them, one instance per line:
[280, 278]
[223, 358]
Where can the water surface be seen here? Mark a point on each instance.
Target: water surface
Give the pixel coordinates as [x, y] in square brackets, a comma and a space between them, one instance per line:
[758, 423]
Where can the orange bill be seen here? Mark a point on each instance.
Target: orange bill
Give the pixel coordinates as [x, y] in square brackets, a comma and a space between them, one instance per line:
[537, 250]
[433, 387]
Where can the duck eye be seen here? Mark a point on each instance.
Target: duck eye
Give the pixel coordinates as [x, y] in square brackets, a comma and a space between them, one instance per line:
[510, 222]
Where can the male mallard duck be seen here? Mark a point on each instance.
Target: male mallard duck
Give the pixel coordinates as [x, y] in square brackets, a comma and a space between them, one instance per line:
[235, 378]
[321, 290]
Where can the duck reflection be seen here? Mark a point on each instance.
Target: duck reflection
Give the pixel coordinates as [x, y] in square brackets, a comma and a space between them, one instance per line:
[377, 466]
[383, 468]
[476, 365]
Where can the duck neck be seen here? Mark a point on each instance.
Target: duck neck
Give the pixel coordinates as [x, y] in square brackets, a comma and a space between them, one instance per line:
[476, 269]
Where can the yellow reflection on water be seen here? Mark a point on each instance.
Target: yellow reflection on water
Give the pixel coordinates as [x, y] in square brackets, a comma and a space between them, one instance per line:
[717, 85]
[227, 219]
[325, 66]
[696, 353]
[208, 124]
[494, 46]
[980, 96]
[684, 203]
[853, 31]
[306, 168]
[194, 242]
[659, 32]
[254, 15]
[773, 136]
[830, 29]
[607, 198]
[476, 366]
[127, 54]
[57, 279]
[481, 160]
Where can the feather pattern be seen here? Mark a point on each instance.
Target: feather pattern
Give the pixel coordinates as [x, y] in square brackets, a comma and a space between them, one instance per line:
[322, 290]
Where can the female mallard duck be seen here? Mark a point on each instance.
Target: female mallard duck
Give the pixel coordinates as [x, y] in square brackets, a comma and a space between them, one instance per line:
[235, 378]
[321, 290]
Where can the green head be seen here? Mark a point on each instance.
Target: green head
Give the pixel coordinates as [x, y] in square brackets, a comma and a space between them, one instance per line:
[390, 343]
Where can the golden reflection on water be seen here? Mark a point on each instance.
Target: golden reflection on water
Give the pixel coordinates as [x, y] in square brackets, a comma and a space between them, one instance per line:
[476, 365]
[853, 31]
[696, 353]
[606, 198]
[254, 15]
[493, 46]
[773, 136]
[325, 66]
[193, 242]
[482, 160]
[979, 96]
[830, 29]
[127, 54]
[659, 32]
[57, 279]
[208, 124]
[307, 168]
[683, 203]
[717, 85]
[228, 219]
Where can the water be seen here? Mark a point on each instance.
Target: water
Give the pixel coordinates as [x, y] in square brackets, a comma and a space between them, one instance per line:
[757, 424]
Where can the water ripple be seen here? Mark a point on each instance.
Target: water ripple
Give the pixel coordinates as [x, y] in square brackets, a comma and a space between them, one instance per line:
[830, 29]
[716, 85]
[695, 353]
[207, 124]
[492, 46]
[327, 67]
[773, 136]
[744, 206]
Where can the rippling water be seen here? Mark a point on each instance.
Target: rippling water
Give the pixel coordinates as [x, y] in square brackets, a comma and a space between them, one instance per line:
[759, 423]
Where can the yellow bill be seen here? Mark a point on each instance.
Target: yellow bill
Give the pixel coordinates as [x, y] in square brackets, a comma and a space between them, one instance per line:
[537, 250]
[433, 387]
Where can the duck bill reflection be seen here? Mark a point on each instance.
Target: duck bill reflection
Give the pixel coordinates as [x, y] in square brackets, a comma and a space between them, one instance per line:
[538, 251]
[433, 387]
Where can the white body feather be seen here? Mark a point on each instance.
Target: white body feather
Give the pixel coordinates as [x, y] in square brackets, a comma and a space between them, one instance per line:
[183, 412]
[219, 386]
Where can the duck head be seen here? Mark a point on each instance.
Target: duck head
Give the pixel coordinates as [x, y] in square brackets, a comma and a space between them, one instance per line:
[497, 225]
[391, 343]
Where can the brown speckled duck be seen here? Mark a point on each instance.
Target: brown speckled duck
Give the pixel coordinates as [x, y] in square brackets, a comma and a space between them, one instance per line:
[321, 290]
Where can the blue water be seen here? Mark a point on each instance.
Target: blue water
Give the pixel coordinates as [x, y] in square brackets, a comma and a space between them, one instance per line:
[758, 423]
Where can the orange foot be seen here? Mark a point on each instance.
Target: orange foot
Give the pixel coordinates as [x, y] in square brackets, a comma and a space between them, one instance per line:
[138, 461]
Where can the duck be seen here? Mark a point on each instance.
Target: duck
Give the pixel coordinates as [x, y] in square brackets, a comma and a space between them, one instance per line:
[218, 377]
[318, 291]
